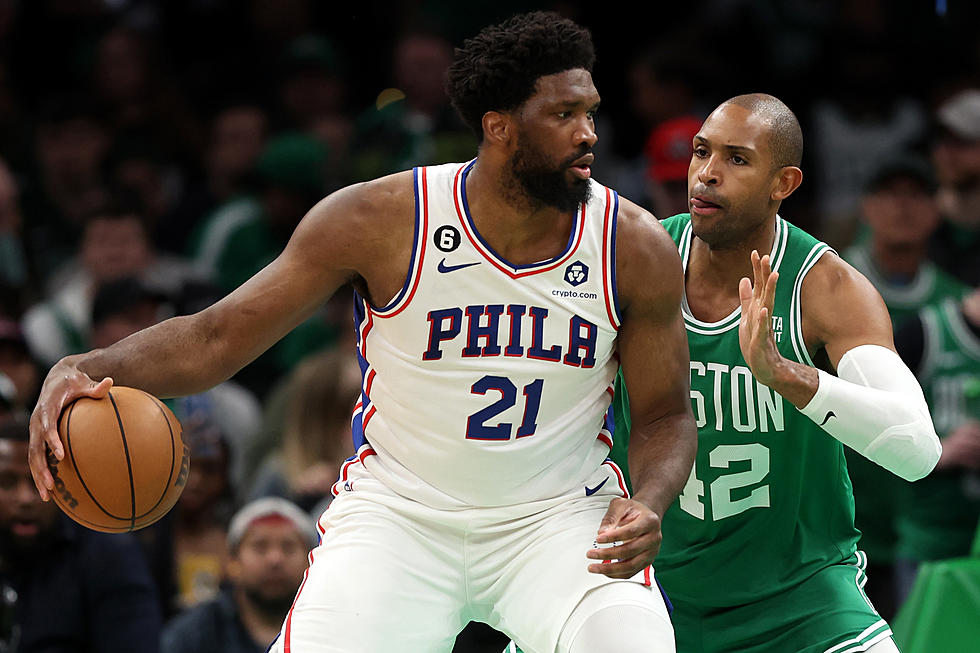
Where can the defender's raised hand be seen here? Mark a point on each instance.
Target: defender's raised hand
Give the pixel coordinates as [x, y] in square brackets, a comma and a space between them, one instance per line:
[755, 329]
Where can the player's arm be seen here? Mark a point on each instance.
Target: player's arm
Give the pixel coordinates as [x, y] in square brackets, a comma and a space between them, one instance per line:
[656, 367]
[875, 404]
[344, 238]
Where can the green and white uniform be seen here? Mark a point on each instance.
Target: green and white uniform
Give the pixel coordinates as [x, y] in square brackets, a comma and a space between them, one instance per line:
[940, 512]
[760, 551]
[877, 492]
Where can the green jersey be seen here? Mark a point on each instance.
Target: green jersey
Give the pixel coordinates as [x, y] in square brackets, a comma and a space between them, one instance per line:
[940, 512]
[877, 492]
[768, 503]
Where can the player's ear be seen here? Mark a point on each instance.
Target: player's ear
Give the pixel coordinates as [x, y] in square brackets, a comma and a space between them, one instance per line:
[788, 179]
[497, 128]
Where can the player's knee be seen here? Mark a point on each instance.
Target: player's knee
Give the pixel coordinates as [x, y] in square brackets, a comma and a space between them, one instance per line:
[620, 624]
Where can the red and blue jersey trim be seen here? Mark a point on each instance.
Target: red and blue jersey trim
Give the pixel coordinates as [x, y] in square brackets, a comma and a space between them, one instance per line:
[610, 219]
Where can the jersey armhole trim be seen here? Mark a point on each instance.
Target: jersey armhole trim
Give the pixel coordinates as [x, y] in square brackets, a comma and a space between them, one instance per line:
[610, 220]
[405, 295]
[795, 311]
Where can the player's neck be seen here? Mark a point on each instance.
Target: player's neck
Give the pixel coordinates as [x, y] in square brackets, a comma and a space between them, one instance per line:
[726, 263]
[713, 273]
[517, 228]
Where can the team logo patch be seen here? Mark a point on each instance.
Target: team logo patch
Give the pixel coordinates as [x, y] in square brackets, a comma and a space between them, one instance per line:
[577, 273]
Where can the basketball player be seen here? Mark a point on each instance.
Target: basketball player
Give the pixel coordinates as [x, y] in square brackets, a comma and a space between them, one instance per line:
[760, 548]
[759, 552]
[494, 305]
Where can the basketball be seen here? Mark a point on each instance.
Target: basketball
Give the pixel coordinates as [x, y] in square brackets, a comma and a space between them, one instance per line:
[125, 461]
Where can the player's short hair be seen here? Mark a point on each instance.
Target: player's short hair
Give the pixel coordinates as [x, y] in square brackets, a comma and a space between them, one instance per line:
[785, 135]
[498, 69]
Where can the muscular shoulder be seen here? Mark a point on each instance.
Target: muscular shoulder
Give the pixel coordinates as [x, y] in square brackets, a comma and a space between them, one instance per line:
[648, 267]
[363, 223]
[841, 308]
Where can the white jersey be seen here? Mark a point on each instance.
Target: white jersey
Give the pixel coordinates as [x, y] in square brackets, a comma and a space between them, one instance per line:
[487, 383]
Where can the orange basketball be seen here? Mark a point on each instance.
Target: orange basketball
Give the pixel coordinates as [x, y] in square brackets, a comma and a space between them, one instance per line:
[125, 461]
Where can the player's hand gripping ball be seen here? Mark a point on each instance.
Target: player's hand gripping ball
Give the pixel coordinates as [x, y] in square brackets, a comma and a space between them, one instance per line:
[125, 461]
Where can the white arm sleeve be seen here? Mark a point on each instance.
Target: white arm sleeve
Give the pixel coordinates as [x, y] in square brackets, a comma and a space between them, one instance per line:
[876, 407]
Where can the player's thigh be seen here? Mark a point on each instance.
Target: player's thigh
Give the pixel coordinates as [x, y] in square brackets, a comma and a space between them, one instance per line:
[378, 577]
[544, 575]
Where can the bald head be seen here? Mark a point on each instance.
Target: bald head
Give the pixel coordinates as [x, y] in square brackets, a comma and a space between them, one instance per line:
[785, 135]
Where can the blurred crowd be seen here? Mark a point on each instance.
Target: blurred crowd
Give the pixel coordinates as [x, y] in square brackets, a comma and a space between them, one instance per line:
[154, 155]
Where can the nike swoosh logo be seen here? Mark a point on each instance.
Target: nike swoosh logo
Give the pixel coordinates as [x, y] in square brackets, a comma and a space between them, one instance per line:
[452, 268]
[830, 414]
[590, 491]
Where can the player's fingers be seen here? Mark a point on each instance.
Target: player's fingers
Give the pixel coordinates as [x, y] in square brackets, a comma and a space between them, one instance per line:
[96, 389]
[37, 459]
[758, 281]
[770, 297]
[622, 568]
[614, 513]
[745, 293]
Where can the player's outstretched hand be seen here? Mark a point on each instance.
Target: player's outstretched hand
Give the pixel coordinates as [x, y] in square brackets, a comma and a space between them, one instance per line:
[629, 539]
[64, 384]
[755, 328]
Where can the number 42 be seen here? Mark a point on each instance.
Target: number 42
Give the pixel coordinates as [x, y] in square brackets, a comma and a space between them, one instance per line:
[722, 503]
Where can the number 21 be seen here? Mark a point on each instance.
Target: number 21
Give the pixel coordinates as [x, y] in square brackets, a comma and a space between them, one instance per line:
[476, 424]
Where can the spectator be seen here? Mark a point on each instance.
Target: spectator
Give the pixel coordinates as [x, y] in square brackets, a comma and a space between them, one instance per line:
[313, 411]
[20, 368]
[65, 588]
[70, 145]
[16, 270]
[268, 541]
[899, 212]
[956, 154]
[668, 154]
[247, 233]
[115, 244]
[939, 514]
[201, 514]
[136, 93]
[413, 122]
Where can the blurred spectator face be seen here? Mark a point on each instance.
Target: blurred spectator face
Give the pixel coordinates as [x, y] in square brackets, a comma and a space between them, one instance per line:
[956, 157]
[958, 173]
[420, 66]
[668, 153]
[269, 563]
[24, 518]
[10, 218]
[310, 94]
[71, 152]
[121, 73]
[237, 138]
[114, 247]
[901, 212]
[207, 480]
[16, 363]
[115, 327]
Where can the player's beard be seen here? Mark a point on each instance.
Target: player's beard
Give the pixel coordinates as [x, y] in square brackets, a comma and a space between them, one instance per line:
[545, 182]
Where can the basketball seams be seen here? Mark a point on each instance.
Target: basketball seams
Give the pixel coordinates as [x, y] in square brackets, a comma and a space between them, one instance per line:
[129, 464]
[78, 472]
[173, 457]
